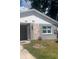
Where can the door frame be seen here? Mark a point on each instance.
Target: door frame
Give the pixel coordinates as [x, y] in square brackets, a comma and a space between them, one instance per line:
[29, 37]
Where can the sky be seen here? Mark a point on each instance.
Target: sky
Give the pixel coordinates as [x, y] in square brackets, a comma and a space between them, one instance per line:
[24, 5]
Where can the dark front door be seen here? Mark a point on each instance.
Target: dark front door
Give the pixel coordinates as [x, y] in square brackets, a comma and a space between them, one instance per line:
[23, 32]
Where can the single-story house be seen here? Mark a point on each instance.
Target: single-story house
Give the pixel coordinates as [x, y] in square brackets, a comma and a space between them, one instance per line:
[35, 25]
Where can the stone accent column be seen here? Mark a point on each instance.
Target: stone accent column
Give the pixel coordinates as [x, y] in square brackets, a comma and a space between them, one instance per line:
[36, 31]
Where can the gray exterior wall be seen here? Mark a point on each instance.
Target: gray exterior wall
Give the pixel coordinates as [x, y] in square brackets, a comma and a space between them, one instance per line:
[48, 36]
[34, 27]
[44, 36]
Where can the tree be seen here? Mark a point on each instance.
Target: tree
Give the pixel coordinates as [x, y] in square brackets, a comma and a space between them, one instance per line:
[53, 11]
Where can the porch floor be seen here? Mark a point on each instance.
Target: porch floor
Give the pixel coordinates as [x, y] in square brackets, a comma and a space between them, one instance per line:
[25, 42]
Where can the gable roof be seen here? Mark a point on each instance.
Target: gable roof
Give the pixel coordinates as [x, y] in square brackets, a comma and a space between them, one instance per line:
[38, 14]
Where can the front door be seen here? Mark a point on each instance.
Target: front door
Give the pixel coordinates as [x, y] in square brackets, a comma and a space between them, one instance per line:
[23, 32]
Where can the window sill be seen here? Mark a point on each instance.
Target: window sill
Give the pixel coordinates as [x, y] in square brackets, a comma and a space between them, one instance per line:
[46, 33]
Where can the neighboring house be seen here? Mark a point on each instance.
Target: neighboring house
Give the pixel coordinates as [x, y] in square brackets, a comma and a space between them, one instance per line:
[35, 25]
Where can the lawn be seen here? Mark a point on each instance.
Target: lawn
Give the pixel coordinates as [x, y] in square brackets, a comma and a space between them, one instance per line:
[49, 52]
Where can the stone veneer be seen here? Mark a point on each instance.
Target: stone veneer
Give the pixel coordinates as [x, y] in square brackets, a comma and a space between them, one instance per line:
[36, 31]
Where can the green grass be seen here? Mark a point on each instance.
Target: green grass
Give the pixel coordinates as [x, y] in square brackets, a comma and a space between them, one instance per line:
[50, 52]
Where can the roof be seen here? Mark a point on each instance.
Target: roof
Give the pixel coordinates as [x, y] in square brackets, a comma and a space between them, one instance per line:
[38, 14]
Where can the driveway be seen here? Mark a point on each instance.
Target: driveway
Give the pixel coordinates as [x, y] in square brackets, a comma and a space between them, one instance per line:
[24, 54]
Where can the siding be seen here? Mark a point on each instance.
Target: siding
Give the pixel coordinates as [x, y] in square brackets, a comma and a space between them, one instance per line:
[37, 32]
[48, 36]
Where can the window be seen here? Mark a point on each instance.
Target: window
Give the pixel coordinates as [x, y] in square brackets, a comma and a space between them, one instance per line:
[46, 30]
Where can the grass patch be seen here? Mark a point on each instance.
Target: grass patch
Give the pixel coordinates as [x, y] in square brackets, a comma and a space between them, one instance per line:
[50, 52]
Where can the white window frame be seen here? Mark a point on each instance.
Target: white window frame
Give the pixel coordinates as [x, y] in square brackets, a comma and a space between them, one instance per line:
[47, 29]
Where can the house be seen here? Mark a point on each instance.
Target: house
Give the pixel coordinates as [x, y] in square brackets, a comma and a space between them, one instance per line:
[35, 25]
